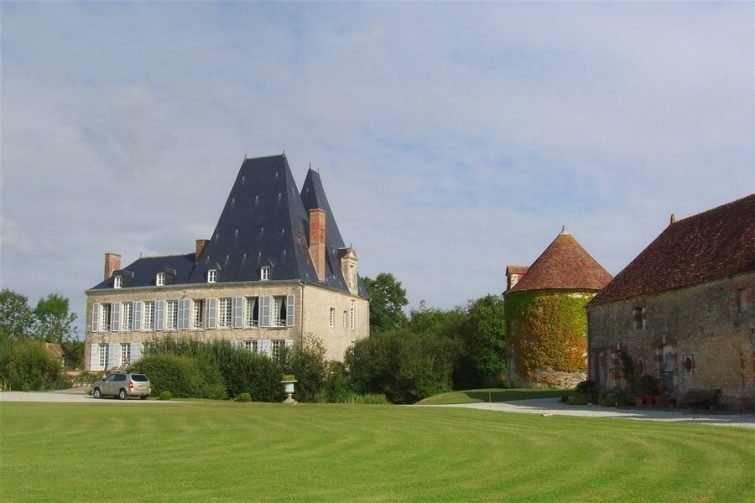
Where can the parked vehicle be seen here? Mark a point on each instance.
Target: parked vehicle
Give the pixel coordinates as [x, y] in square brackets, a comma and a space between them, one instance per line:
[122, 385]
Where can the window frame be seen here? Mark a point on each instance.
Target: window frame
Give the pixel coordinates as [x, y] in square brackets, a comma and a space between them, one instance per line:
[212, 276]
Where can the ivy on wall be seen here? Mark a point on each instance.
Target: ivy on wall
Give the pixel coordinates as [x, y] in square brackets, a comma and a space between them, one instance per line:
[547, 330]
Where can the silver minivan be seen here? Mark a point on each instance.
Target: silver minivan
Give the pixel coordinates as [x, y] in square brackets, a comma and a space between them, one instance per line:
[122, 385]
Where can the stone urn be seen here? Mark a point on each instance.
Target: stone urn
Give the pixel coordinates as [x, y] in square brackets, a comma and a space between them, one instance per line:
[288, 388]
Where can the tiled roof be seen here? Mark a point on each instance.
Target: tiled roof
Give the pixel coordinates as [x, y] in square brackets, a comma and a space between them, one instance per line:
[715, 244]
[265, 222]
[516, 269]
[564, 265]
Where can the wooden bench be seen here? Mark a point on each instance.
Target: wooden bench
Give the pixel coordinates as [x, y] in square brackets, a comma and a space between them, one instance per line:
[702, 397]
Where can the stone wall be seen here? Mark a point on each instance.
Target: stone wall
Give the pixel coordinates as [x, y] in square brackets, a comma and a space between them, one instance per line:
[702, 336]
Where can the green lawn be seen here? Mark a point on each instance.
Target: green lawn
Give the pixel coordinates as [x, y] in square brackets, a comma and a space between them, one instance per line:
[492, 395]
[228, 451]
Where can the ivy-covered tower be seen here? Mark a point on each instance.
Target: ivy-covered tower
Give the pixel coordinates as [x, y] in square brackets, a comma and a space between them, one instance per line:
[546, 320]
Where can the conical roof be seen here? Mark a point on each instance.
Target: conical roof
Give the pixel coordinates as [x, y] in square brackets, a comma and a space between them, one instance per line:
[564, 265]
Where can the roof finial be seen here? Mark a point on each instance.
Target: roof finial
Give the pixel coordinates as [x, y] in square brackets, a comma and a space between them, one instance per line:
[673, 219]
[284, 152]
[563, 229]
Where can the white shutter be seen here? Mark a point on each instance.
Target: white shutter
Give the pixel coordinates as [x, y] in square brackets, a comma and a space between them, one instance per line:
[138, 317]
[264, 347]
[290, 307]
[136, 352]
[184, 308]
[115, 323]
[94, 357]
[96, 318]
[238, 312]
[159, 315]
[113, 355]
[212, 313]
[265, 306]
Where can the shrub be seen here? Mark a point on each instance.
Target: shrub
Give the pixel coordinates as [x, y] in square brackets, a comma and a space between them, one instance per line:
[180, 374]
[616, 398]
[166, 395]
[307, 362]
[244, 397]
[364, 399]
[647, 385]
[27, 366]
[336, 386]
[588, 390]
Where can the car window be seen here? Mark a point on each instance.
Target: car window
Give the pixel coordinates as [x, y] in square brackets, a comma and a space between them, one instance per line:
[120, 377]
[139, 377]
[110, 378]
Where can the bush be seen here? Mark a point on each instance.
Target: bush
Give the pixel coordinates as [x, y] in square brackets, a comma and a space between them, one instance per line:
[244, 397]
[647, 385]
[588, 391]
[27, 366]
[307, 362]
[616, 398]
[336, 386]
[166, 395]
[179, 374]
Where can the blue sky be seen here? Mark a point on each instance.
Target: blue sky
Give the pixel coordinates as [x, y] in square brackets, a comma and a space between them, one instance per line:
[453, 139]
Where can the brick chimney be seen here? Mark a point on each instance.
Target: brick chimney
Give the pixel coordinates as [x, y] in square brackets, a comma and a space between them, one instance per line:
[112, 263]
[201, 245]
[317, 244]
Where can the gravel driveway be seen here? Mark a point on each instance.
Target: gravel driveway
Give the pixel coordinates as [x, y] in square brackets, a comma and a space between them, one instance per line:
[553, 406]
[65, 396]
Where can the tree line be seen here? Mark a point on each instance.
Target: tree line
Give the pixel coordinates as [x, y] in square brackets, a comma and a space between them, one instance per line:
[25, 362]
[406, 358]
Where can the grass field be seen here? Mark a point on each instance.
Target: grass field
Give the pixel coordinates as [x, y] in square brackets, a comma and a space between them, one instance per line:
[228, 451]
[491, 395]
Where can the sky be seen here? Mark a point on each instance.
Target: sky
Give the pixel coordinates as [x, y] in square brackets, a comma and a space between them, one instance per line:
[452, 139]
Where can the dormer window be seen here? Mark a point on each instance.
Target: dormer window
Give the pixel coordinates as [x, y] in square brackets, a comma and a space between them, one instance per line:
[212, 275]
[265, 273]
[117, 282]
[639, 317]
[160, 279]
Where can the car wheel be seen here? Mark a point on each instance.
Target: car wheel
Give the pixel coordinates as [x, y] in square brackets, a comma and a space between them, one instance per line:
[97, 393]
[122, 394]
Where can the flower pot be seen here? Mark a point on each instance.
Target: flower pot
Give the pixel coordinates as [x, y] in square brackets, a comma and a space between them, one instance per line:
[638, 400]
[648, 399]
[659, 401]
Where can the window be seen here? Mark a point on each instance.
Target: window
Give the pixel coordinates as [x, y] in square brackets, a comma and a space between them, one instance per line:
[353, 315]
[197, 319]
[252, 312]
[212, 275]
[277, 346]
[171, 319]
[103, 356]
[149, 315]
[251, 346]
[160, 279]
[265, 273]
[128, 316]
[279, 311]
[117, 282]
[106, 314]
[225, 313]
[345, 319]
[332, 317]
[125, 354]
[639, 317]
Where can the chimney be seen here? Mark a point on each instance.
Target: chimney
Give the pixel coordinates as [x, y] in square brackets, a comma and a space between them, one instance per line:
[112, 263]
[317, 244]
[201, 245]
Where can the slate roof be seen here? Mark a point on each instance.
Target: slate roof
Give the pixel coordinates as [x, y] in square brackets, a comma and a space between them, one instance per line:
[718, 243]
[264, 222]
[564, 265]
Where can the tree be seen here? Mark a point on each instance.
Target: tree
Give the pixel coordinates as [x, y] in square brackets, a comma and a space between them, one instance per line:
[53, 321]
[16, 317]
[483, 362]
[387, 301]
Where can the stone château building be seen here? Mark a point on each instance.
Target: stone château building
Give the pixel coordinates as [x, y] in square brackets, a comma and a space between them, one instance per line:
[683, 309]
[545, 314]
[275, 270]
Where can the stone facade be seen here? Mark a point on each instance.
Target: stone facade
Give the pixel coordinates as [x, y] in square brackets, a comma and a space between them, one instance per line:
[701, 336]
[119, 342]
